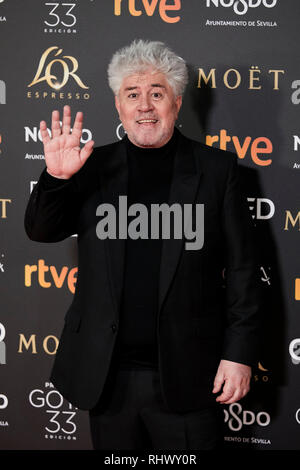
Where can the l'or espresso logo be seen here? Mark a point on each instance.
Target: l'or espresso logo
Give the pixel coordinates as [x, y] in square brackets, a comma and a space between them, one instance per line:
[48, 276]
[149, 7]
[261, 374]
[59, 414]
[50, 65]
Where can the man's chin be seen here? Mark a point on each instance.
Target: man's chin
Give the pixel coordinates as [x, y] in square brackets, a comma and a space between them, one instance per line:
[146, 141]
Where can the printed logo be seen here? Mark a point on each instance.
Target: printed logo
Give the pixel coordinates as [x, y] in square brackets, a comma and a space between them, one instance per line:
[2, 92]
[149, 7]
[49, 344]
[37, 273]
[61, 18]
[294, 350]
[241, 7]
[291, 220]
[297, 289]
[3, 401]
[296, 94]
[236, 417]
[68, 66]
[2, 345]
[160, 222]
[263, 208]
[67, 72]
[61, 415]
[255, 148]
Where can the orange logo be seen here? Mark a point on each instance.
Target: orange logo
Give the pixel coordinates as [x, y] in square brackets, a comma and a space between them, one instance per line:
[58, 279]
[256, 147]
[150, 6]
[297, 289]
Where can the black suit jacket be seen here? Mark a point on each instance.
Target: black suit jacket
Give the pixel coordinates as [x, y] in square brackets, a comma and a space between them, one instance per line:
[200, 321]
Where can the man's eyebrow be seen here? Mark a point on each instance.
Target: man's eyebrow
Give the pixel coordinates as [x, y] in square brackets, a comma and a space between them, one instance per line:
[153, 85]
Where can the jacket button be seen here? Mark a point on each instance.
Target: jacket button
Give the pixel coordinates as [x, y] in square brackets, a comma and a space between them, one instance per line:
[114, 327]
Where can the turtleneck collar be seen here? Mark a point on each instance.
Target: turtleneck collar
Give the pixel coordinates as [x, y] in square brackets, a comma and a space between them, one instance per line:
[152, 152]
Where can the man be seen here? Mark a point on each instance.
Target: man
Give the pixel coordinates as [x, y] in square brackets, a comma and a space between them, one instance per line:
[151, 345]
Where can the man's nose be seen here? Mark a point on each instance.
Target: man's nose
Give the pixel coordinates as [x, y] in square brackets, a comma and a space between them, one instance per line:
[145, 103]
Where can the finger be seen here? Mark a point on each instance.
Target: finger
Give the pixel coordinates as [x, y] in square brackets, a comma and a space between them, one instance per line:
[77, 127]
[238, 394]
[219, 380]
[44, 132]
[66, 124]
[86, 151]
[228, 392]
[55, 126]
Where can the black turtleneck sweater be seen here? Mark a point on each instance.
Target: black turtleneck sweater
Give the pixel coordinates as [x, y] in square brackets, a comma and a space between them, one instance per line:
[149, 178]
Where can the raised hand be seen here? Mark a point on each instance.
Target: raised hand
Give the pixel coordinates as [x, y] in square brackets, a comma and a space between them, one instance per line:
[62, 151]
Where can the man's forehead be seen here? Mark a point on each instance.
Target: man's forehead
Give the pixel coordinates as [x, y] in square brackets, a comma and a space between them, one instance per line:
[145, 79]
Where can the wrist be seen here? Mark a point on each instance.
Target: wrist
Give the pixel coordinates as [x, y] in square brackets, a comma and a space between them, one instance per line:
[61, 177]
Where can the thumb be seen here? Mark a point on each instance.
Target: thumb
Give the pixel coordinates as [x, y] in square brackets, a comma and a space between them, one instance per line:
[218, 382]
[86, 151]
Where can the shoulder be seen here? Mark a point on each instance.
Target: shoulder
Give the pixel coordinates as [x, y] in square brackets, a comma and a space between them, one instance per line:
[210, 157]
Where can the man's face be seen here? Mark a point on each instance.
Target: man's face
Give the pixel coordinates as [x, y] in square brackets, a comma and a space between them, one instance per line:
[148, 108]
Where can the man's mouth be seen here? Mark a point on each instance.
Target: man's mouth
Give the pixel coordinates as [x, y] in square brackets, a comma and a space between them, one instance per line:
[147, 121]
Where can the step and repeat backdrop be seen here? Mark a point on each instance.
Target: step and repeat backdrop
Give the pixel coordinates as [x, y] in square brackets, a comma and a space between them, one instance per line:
[243, 96]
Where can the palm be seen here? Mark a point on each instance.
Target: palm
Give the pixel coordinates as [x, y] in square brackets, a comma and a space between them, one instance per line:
[62, 155]
[62, 152]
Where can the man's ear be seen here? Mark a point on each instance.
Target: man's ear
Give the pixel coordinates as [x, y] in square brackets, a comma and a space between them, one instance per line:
[178, 103]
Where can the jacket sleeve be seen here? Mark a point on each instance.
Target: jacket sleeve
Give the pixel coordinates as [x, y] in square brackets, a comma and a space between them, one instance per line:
[243, 287]
[51, 212]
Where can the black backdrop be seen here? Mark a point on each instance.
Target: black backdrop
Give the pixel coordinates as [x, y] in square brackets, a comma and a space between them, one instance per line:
[243, 95]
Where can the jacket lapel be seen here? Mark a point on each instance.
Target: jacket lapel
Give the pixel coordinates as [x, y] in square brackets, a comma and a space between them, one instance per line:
[183, 190]
[114, 179]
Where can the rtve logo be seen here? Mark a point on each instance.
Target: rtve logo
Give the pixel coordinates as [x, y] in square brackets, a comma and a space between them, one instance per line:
[297, 288]
[138, 7]
[256, 147]
[65, 276]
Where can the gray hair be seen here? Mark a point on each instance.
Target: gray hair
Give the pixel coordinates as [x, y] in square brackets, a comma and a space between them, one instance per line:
[139, 56]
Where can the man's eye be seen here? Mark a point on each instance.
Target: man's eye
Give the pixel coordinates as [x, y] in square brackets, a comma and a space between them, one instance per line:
[157, 95]
[133, 95]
